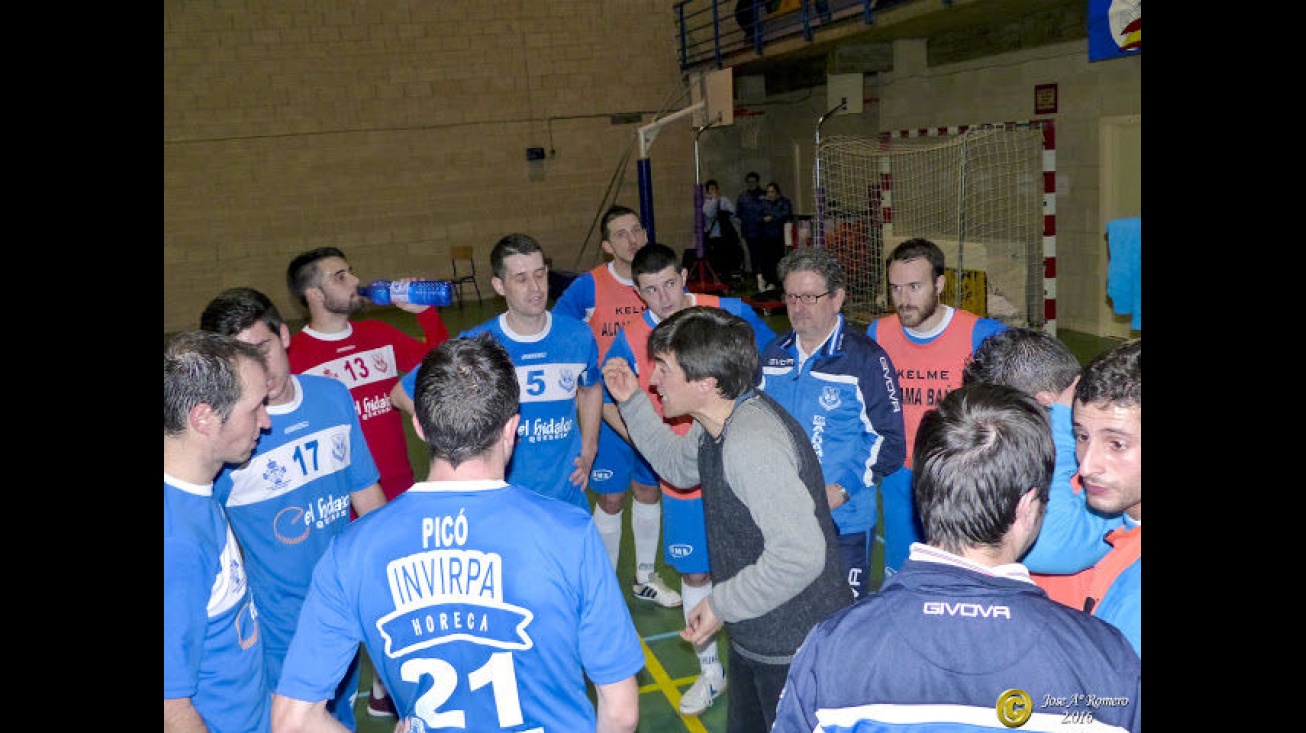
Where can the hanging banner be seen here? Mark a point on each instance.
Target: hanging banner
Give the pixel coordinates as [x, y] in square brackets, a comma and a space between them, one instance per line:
[1115, 28]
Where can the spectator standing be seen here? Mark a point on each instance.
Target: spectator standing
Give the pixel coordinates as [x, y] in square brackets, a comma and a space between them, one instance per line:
[293, 495]
[771, 542]
[661, 283]
[929, 343]
[776, 212]
[721, 242]
[369, 356]
[214, 391]
[965, 632]
[749, 206]
[746, 15]
[485, 605]
[605, 298]
[843, 389]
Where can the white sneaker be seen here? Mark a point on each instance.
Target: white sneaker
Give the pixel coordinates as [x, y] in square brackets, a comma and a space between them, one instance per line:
[701, 695]
[657, 591]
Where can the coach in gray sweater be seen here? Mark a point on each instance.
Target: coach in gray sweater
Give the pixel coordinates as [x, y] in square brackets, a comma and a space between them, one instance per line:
[776, 570]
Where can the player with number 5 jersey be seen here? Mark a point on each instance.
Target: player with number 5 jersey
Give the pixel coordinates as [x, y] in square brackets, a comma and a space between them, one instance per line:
[557, 368]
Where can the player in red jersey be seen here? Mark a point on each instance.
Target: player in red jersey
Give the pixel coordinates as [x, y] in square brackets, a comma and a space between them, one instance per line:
[369, 356]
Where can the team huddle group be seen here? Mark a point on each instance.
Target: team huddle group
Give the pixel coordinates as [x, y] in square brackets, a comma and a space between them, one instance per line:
[485, 595]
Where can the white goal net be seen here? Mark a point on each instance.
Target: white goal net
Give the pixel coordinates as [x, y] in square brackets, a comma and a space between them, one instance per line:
[978, 193]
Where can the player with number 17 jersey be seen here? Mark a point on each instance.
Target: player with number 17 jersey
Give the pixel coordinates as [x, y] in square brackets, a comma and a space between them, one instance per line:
[288, 502]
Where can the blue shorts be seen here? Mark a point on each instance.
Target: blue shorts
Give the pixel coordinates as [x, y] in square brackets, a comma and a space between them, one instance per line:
[617, 464]
[684, 534]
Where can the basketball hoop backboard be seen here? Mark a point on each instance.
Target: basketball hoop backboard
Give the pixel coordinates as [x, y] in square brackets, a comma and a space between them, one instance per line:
[847, 87]
[716, 89]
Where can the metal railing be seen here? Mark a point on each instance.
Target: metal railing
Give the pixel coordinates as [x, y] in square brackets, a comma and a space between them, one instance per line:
[708, 31]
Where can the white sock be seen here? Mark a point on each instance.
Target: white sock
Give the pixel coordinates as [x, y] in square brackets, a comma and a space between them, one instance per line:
[708, 661]
[645, 523]
[609, 526]
[378, 689]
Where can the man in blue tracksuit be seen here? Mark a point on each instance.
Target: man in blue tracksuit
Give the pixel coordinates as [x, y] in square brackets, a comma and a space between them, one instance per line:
[960, 638]
[843, 389]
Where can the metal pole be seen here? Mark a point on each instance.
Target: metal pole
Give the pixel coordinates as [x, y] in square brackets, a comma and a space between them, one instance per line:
[818, 236]
[644, 167]
[961, 216]
[646, 135]
[698, 196]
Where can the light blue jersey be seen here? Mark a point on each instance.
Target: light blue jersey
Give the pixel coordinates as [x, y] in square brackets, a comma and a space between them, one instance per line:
[483, 606]
[1122, 606]
[551, 367]
[287, 503]
[1071, 538]
[212, 645]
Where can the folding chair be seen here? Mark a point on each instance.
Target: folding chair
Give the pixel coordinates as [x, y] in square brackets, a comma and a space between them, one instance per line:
[467, 255]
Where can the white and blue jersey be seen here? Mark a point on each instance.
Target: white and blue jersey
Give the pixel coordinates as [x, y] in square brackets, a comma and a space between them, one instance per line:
[552, 366]
[483, 606]
[290, 499]
[846, 397]
[212, 646]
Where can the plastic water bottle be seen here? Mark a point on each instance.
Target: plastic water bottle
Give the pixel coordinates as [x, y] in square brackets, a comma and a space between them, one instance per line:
[417, 292]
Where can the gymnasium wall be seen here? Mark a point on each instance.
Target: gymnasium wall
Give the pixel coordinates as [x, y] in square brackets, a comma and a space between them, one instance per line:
[394, 129]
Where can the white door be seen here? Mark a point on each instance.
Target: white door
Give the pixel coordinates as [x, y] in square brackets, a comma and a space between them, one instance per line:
[1121, 195]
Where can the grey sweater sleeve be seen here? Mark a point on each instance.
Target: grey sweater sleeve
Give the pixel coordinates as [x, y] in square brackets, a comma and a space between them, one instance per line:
[762, 471]
[672, 456]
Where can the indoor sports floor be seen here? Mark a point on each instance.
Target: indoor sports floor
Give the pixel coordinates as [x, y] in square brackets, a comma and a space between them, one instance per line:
[670, 666]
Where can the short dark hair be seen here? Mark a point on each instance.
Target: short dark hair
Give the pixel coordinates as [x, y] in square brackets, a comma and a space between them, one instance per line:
[236, 309]
[976, 454]
[916, 248]
[202, 367]
[652, 258]
[1114, 377]
[466, 392]
[613, 212]
[1028, 359]
[302, 273]
[710, 342]
[753, 175]
[512, 244]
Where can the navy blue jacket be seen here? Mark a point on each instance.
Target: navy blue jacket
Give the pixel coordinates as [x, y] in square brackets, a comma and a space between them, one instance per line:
[847, 400]
[943, 647]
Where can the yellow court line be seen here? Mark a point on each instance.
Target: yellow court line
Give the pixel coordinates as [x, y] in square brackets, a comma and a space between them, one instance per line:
[662, 682]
